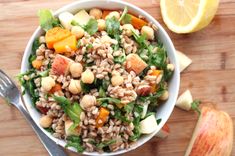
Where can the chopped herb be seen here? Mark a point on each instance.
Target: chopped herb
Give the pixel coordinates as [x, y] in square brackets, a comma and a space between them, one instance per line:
[79, 44]
[75, 141]
[89, 46]
[35, 45]
[104, 104]
[112, 26]
[120, 116]
[47, 20]
[129, 107]
[120, 59]
[50, 130]
[91, 27]
[159, 121]
[158, 59]
[44, 73]
[126, 19]
[123, 13]
[85, 87]
[105, 144]
[109, 99]
[138, 109]
[72, 110]
[195, 106]
[102, 92]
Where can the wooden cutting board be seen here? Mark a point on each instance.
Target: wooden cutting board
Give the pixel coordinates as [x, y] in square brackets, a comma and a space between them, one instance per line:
[211, 77]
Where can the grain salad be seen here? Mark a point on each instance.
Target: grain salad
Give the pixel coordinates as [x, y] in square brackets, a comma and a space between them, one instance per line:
[97, 77]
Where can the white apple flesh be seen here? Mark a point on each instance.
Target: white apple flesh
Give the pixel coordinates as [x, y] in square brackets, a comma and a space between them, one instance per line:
[213, 135]
[184, 100]
[184, 61]
[66, 19]
[148, 125]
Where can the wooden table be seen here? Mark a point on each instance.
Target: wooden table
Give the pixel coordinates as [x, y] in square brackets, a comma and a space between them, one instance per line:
[211, 77]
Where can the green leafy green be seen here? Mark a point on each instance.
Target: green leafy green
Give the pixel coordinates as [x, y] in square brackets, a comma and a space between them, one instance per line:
[91, 27]
[109, 99]
[120, 59]
[138, 109]
[50, 130]
[158, 59]
[44, 73]
[47, 20]
[72, 110]
[123, 13]
[75, 141]
[112, 26]
[126, 19]
[105, 144]
[85, 87]
[29, 84]
[120, 116]
[102, 92]
[129, 107]
[195, 106]
[159, 121]
[35, 46]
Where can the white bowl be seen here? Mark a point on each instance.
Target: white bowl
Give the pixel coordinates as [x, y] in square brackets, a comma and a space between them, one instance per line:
[163, 112]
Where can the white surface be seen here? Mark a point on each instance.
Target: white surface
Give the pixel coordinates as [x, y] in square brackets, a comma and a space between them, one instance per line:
[163, 112]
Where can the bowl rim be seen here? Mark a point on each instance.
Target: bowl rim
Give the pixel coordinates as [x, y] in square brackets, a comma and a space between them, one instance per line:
[24, 67]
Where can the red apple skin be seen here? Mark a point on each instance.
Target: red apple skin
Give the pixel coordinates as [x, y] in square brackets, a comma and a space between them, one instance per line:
[164, 132]
[60, 65]
[215, 134]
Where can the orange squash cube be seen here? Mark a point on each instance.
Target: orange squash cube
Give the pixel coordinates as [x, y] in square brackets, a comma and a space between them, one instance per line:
[66, 45]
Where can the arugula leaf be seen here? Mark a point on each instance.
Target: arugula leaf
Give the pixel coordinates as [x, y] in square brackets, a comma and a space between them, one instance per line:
[129, 107]
[123, 13]
[195, 106]
[85, 87]
[158, 59]
[75, 141]
[159, 121]
[118, 115]
[109, 99]
[102, 92]
[29, 85]
[73, 111]
[44, 73]
[105, 144]
[140, 39]
[35, 46]
[112, 26]
[126, 19]
[120, 59]
[138, 109]
[92, 26]
[47, 20]
[50, 130]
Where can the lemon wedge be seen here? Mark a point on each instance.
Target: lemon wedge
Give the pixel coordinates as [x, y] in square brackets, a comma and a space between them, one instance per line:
[186, 16]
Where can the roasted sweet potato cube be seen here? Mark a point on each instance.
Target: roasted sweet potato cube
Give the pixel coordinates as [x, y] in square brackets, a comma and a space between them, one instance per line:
[135, 63]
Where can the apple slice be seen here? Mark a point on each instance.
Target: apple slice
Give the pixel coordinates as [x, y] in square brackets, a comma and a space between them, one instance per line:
[148, 125]
[164, 132]
[184, 101]
[69, 130]
[213, 135]
[66, 19]
[82, 17]
[184, 61]
[60, 65]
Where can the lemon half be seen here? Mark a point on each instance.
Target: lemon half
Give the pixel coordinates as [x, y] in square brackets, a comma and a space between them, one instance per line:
[186, 16]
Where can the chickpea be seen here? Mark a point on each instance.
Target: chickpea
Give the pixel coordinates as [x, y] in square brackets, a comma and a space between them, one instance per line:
[128, 28]
[164, 96]
[77, 31]
[45, 121]
[97, 13]
[170, 67]
[87, 101]
[117, 80]
[101, 24]
[75, 86]
[88, 77]
[148, 31]
[113, 14]
[47, 83]
[76, 69]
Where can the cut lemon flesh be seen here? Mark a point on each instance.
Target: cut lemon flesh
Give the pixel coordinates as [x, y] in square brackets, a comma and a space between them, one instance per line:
[185, 16]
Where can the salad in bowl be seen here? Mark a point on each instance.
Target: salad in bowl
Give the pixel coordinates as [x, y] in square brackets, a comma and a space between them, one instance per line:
[97, 77]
